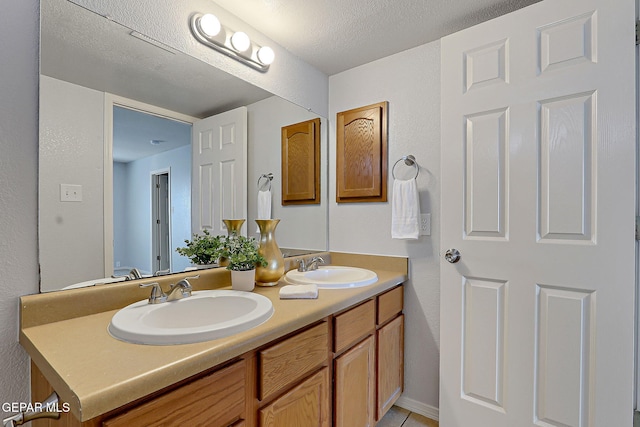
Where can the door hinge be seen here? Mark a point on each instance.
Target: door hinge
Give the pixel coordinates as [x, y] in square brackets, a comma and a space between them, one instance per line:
[638, 228]
[637, 32]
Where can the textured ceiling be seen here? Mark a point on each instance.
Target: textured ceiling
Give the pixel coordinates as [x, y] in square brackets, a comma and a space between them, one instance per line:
[336, 35]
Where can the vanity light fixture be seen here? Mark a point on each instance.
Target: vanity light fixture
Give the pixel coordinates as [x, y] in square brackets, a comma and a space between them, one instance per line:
[240, 41]
[208, 30]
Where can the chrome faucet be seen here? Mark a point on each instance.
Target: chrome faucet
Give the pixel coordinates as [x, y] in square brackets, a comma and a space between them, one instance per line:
[180, 290]
[134, 274]
[310, 265]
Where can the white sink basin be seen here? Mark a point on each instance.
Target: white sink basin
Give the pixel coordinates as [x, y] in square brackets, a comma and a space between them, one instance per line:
[333, 277]
[204, 316]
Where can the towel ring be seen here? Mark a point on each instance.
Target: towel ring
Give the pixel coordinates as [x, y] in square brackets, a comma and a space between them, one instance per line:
[268, 177]
[409, 160]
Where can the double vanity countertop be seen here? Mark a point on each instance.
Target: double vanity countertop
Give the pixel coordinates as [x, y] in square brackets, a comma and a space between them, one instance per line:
[65, 334]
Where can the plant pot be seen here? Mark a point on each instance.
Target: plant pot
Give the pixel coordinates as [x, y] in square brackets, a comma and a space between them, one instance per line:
[244, 280]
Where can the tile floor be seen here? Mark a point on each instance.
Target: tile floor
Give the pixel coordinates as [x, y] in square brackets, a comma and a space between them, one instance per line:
[399, 417]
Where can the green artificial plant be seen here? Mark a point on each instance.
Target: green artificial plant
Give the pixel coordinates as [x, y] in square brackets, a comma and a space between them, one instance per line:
[241, 253]
[203, 249]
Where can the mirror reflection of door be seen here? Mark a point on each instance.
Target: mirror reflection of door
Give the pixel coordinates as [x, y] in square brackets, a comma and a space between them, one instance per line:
[147, 220]
[160, 221]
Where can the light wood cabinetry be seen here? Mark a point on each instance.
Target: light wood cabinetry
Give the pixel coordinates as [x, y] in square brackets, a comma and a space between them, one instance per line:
[368, 365]
[353, 325]
[345, 370]
[305, 405]
[390, 349]
[354, 386]
[216, 400]
[390, 365]
[290, 360]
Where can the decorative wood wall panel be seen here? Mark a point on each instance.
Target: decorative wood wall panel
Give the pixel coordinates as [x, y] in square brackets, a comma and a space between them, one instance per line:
[361, 163]
[301, 163]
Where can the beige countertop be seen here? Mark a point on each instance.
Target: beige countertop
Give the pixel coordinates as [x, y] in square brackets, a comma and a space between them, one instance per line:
[96, 373]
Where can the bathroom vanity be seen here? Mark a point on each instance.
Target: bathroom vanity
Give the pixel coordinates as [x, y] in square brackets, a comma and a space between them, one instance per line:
[336, 360]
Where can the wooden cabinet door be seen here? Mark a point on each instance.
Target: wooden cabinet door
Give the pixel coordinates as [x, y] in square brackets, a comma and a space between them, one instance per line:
[355, 386]
[361, 154]
[293, 359]
[390, 364]
[305, 405]
[301, 163]
[216, 400]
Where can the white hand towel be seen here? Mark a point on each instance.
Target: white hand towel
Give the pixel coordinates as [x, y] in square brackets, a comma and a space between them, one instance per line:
[299, 292]
[405, 210]
[264, 206]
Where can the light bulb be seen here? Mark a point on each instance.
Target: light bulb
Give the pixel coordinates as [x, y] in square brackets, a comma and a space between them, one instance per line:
[240, 41]
[266, 55]
[210, 25]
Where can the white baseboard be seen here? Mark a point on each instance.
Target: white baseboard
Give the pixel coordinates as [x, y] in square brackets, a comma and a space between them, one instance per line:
[418, 407]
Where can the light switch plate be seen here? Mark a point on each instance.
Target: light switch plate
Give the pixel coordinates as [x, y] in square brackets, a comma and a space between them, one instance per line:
[70, 193]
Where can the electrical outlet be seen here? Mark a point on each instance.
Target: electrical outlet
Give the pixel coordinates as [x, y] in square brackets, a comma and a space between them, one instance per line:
[425, 224]
[70, 193]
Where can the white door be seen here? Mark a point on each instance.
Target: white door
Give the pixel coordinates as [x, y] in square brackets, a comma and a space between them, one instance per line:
[538, 164]
[219, 172]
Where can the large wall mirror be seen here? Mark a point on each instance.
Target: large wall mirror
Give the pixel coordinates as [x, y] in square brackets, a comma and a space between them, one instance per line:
[116, 116]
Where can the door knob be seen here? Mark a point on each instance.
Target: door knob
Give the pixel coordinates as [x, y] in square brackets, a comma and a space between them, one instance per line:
[452, 255]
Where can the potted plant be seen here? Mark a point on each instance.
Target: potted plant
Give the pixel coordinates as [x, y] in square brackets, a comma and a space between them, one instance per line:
[243, 257]
[203, 250]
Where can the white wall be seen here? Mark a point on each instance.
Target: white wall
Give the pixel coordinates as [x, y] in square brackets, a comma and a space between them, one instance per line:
[18, 192]
[410, 82]
[71, 123]
[265, 121]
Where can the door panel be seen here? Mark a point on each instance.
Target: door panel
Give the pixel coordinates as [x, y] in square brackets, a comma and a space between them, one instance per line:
[538, 152]
[219, 177]
[566, 167]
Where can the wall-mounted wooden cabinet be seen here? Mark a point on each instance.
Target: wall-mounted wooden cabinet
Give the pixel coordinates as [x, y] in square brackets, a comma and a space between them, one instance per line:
[361, 154]
[301, 163]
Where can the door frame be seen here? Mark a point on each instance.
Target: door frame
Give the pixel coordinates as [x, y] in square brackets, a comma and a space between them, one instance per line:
[110, 101]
